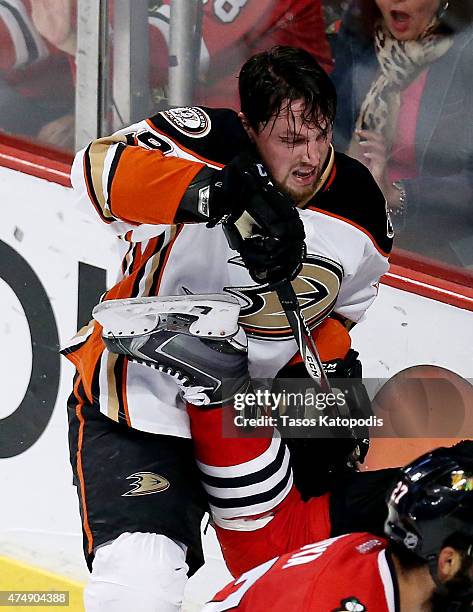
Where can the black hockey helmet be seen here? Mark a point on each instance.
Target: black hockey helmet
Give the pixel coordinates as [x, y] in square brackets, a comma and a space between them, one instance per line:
[433, 500]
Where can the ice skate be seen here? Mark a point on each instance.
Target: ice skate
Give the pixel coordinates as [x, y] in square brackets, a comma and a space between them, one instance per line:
[195, 339]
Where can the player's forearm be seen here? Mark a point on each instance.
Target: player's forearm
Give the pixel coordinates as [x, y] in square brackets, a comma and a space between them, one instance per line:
[132, 184]
[148, 187]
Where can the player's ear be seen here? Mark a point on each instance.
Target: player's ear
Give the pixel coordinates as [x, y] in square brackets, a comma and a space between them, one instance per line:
[246, 126]
[449, 563]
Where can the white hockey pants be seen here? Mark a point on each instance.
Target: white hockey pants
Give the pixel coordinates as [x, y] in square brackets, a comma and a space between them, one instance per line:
[137, 572]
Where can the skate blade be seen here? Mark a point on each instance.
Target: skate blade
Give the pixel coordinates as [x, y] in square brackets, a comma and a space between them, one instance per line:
[209, 316]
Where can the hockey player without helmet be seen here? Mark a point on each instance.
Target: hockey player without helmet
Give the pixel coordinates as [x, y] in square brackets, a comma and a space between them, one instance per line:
[432, 501]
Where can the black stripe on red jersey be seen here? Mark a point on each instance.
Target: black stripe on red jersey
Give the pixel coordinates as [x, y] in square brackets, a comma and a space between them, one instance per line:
[120, 148]
[248, 479]
[32, 47]
[354, 195]
[225, 139]
[250, 500]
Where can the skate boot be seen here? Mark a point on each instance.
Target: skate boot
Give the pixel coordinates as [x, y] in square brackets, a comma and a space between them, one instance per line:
[195, 339]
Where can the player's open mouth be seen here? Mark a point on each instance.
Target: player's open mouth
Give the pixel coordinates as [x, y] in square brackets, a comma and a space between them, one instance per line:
[304, 175]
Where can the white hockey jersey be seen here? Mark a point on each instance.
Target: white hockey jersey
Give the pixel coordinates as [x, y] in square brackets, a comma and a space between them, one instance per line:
[135, 179]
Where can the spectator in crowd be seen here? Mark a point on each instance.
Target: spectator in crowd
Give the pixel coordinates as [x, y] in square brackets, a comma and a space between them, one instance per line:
[333, 11]
[55, 21]
[404, 79]
[231, 32]
[36, 88]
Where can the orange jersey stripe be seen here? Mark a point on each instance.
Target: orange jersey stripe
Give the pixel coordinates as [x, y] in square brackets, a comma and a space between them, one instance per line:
[149, 186]
[331, 178]
[85, 359]
[331, 339]
[80, 472]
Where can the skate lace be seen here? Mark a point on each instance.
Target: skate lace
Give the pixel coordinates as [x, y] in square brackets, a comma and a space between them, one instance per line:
[195, 395]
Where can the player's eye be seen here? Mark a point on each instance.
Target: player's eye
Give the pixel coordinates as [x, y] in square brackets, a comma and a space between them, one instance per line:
[292, 142]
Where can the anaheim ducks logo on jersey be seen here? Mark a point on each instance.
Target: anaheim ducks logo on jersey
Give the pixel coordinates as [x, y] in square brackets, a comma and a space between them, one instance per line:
[317, 287]
[189, 120]
[146, 483]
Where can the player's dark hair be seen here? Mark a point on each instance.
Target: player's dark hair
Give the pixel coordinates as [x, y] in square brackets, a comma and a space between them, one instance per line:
[406, 558]
[270, 81]
[410, 561]
[461, 544]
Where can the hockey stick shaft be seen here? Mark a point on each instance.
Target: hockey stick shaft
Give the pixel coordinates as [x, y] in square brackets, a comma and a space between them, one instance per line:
[307, 348]
[288, 299]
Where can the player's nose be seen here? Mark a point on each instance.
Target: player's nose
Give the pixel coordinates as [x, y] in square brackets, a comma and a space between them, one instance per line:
[311, 153]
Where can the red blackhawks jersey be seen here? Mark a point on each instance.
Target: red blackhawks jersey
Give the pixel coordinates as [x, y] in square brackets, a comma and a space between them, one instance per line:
[232, 31]
[351, 573]
[277, 545]
[20, 44]
[135, 180]
[29, 63]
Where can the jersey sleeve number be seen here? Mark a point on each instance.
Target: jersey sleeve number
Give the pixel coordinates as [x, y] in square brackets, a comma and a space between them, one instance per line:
[399, 491]
[152, 141]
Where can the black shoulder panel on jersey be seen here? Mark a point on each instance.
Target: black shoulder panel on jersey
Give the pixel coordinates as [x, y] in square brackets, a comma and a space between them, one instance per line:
[215, 134]
[354, 195]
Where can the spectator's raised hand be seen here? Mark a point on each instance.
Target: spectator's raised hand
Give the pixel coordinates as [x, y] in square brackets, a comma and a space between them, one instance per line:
[372, 152]
[53, 20]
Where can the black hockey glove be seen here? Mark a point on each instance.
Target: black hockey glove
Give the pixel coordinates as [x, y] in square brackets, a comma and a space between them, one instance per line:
[209, 197]
[261, 223]
[267, 231]
[349, 373]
